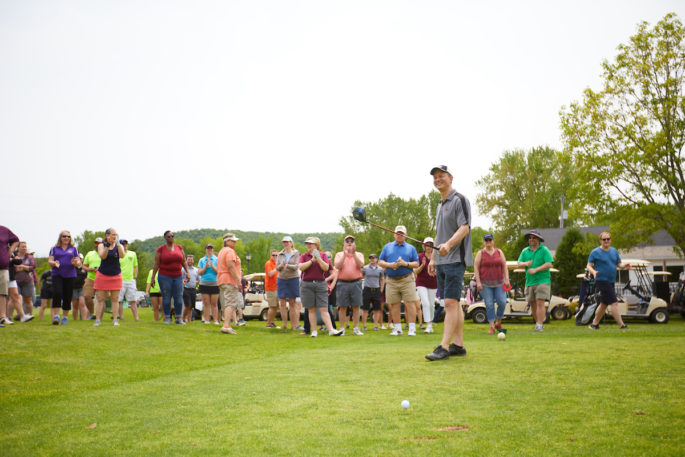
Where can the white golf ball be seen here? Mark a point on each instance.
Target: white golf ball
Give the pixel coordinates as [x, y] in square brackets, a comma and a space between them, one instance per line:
[405, 404]
[501, 335]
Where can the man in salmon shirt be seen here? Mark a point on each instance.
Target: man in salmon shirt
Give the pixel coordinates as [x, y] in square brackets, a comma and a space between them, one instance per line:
[228, 278]
[270, 279]
[349, 264]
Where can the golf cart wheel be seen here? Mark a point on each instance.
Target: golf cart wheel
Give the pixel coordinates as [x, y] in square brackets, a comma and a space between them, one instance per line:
[560, 313]
[479, 316]
[262, 315]
[659, 316]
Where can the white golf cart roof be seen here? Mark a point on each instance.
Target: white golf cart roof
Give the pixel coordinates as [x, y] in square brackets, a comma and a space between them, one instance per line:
[255, 277]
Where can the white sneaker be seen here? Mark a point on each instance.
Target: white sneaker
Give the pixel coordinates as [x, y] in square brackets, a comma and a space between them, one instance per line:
[115, 323]
[383, 327]
[97, 323]
[429, 329]
[396, 332]
[336, 332]
[357, 332]
[26, 317]
[412, 332]
[342, 331]
[314, 334]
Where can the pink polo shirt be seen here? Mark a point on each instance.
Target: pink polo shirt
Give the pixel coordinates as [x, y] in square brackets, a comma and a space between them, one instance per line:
[349, 271]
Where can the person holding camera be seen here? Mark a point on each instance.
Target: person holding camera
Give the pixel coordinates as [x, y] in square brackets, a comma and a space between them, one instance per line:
[108, 279]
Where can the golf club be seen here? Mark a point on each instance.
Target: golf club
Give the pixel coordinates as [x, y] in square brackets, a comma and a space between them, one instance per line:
[359, 213]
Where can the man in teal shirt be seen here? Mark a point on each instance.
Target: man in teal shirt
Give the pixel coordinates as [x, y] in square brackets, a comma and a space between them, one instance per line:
[537, 261]
[129, 274]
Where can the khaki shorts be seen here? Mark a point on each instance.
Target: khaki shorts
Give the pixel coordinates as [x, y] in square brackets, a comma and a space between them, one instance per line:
[271, 298]
[88, 290]
[537, 292]
[230, 296]
[128, 291]
[398, 290]
[4, 282]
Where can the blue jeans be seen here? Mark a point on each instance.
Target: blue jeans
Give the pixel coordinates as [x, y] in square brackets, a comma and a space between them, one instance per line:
[490, 295]
[171, 287]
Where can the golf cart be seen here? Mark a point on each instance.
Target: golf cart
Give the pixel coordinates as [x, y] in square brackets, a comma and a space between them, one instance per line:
[256, 305]
[677, 303]
[639, 302]
[557, 307]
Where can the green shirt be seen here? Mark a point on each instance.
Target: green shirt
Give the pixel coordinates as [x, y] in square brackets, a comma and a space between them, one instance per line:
[92, 259]
[539, 257]
[128, 264]
[149, 280]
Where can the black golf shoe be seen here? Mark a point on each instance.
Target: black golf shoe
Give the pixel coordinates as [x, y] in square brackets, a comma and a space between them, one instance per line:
[457, 350]
[440, 353]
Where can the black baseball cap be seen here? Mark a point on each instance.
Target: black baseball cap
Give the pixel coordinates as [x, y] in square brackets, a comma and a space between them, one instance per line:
[441, 168]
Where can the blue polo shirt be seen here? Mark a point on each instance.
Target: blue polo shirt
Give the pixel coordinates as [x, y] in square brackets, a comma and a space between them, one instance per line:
[605, 263]
[393, 251]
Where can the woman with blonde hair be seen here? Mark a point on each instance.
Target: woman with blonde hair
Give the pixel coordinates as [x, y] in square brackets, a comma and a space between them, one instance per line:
[313, 289]
[64, 260]
[108, 281]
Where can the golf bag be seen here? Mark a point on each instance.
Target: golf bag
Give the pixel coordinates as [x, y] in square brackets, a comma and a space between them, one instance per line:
[587, 301]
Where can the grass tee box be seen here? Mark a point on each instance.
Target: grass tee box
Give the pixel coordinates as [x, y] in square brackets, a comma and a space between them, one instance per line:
[149, 389]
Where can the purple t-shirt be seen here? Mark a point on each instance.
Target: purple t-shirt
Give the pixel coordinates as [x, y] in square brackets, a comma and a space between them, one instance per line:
[66, 269]
[6, 238]
[314, 273]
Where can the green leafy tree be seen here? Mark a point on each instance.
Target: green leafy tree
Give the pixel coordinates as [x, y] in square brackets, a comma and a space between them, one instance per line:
[524, 189]
[628, 137]
[418, 215]
[260, 250]
[86, 240]
[570, 261]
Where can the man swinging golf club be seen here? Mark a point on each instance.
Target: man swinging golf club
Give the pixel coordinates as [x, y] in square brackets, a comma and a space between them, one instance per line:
[450, 257]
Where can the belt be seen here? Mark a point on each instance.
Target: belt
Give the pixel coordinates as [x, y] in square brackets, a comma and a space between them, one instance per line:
[397, 278]
[372, 288]
[314, 280]
[349, 280]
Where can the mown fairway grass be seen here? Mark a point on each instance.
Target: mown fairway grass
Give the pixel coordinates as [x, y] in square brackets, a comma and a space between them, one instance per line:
[149, 389]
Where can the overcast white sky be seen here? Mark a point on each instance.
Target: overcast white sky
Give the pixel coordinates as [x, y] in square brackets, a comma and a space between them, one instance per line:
[277, 115]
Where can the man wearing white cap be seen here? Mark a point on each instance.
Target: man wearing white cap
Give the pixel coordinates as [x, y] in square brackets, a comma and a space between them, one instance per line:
[399, 258]
[451, 255]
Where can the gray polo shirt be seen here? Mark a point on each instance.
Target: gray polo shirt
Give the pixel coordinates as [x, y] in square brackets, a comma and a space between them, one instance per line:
[372, 276]
[449, 217]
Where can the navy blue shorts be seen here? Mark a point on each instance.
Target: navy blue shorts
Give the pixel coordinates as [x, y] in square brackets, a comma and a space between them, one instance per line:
[607, 292]
[288, 288]
[450, 278]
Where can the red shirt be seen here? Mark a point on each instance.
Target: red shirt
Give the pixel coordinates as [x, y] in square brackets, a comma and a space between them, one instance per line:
[170, 262]
[270, 282]
[314, 273]
[490, 271]
[423, 279]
